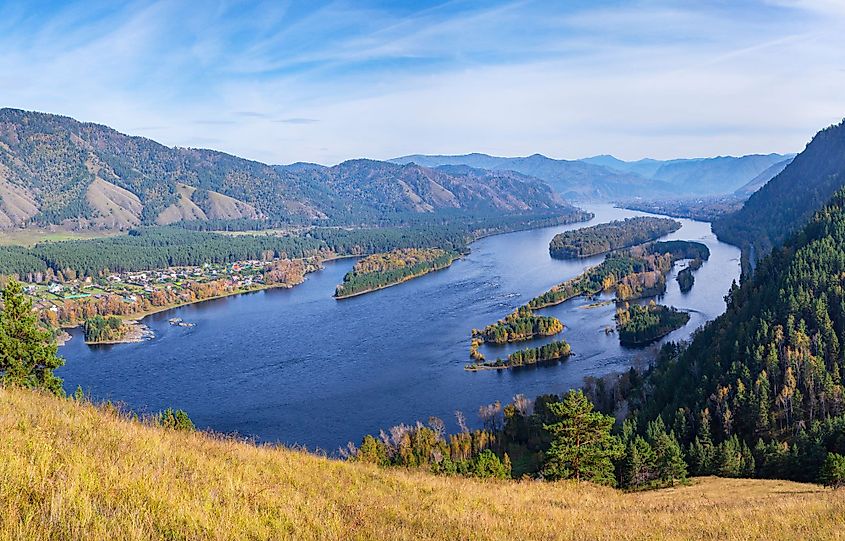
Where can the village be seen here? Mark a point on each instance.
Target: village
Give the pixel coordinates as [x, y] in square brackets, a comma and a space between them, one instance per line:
[133, 288]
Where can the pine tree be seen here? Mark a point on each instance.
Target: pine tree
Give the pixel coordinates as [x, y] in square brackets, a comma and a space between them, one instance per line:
[670, 461]
[582, 447]
[27, 352]
[832, 473]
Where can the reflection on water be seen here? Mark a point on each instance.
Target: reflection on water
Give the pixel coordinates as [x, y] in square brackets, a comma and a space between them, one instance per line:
[297, 366]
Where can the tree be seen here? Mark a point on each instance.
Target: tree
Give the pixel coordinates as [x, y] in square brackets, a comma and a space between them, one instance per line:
[582, 447]
[832, 473]
[175, 419]
[27, 351]
[670, 461]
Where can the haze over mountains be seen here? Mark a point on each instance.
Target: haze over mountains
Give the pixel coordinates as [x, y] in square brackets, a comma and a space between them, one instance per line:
[606, 177]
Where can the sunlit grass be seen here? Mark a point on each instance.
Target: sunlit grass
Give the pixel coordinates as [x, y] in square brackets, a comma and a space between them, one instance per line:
[72, 471]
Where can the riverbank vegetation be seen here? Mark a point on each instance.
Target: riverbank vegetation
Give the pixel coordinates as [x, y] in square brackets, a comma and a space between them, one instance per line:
[385, 269]
[634, 273]
[553, 351]
[638, 325]
[602, 238]
[100, 329]
[521, 324]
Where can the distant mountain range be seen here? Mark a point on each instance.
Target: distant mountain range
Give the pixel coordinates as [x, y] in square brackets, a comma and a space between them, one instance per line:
[606, 177]
[55, 170]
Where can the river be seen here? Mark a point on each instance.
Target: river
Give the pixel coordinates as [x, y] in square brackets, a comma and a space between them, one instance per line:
[299, 367]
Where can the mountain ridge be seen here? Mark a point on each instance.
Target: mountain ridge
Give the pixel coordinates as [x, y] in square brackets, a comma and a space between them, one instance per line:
[59, 171]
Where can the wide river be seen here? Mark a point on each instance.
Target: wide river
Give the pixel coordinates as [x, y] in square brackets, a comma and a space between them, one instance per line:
[298, 367]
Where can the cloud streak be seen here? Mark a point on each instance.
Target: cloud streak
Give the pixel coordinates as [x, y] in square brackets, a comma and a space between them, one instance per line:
[328, 81]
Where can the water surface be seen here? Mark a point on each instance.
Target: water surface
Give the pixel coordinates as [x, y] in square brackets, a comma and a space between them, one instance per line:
[298, 367]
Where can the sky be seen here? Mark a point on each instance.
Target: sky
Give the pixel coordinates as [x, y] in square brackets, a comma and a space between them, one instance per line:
[323, 82]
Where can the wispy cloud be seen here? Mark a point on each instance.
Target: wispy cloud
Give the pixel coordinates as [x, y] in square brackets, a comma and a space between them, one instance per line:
[326, 81]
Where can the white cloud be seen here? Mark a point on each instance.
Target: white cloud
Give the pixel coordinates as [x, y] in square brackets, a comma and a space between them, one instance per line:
[652, 79]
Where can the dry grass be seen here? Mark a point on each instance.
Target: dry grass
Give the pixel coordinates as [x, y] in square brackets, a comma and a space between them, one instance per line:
[70, 471]
[32, 235]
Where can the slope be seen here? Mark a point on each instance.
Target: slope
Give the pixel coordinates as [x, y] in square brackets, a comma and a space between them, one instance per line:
[769, 371]
[72, 471]
[55, 170]
[787, 201]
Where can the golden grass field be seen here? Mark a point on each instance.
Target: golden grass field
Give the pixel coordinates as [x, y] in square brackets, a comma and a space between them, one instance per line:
[72, 471]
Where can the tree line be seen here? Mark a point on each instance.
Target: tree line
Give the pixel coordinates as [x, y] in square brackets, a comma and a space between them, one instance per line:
[601, 238]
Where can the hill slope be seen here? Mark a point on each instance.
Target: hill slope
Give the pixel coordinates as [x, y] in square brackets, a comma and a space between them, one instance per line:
[71, 471]
[56, 170]
[769, 371]
[787, 201]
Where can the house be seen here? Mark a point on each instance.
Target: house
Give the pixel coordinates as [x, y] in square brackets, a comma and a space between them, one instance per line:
[55, 288]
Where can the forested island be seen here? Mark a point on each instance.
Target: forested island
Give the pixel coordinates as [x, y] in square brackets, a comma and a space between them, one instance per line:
[602, 238]
[552, 351]
[378, 271]
[521, 324]
[685, 277]
[633, 273]
[638, 325]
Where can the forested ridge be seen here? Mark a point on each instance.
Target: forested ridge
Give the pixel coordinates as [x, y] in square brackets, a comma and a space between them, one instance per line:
[764, 380]
[789, 200]
[58, 171]
[614, 235]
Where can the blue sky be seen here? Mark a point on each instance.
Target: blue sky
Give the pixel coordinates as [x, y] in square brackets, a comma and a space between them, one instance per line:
[328, 81]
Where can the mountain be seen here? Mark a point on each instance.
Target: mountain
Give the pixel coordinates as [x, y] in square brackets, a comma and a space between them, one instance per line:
[56, 170]
[571, 179]
[71, 471]
[606, 177]
[699, 176]
[760, 180]
[768, 374]
[787, 201]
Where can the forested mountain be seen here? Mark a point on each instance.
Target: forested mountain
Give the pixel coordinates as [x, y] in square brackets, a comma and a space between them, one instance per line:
[760, 180]
[56, 170]
[571, 179]
[768, 374]
[787, 201]
[607, 177]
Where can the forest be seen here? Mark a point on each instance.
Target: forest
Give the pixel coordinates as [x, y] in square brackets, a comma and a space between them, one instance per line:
[602, 238]
[147, 248]
[521, 324]
[685, 277]
[103, 329]
[759, 390]
[553, 351]
[638, 325]
[381, 270]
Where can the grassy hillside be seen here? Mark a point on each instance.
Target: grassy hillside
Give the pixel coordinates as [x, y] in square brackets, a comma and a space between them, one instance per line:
[71, 471]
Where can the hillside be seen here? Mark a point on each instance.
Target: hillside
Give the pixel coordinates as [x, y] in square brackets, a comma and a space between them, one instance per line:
[71, 471]
[760, 180]
[787, 201]
[768, 373]
[57, 171]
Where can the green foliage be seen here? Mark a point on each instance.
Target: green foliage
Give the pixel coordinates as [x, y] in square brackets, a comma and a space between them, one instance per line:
[103, 329]
[609, 236]
[553, 351]
[385, 269]
[175, 420]
[832, 473]
[639, 325]
[520, 325]
[582, 446]
[27, 352]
